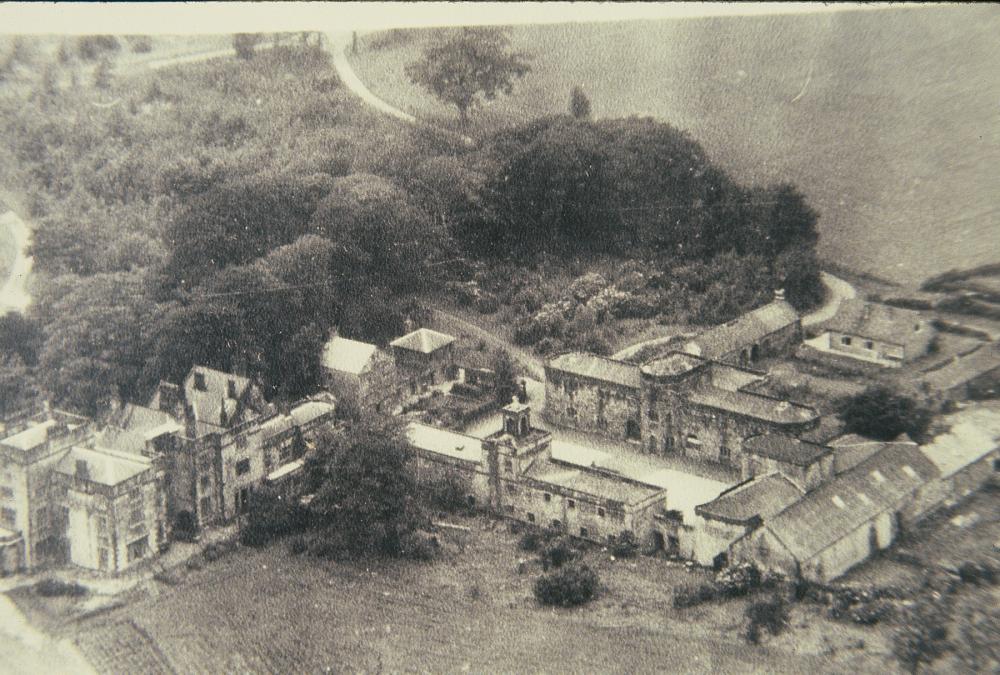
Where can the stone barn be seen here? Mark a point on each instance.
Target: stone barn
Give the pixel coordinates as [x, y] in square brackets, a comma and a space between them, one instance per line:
[843, 522]
[772, 330]
[360, 374]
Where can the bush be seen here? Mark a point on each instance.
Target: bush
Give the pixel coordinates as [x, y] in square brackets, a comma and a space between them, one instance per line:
[772, 615]
[738, 580]
[298, 545]
[446, 492]
[271, 516]
[567, 586]
[625, 545]
[418, 546]
[50, 588]
[691, 596]
[487, 304]
[534, 539]
[978, 573]
[557, 553]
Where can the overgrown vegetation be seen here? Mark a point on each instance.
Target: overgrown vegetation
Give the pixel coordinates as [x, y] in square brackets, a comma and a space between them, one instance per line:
[231, 213]
[567, 586]
[883, 414]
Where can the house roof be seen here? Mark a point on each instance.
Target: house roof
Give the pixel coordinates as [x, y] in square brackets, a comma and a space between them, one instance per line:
[743, 330]
[752, 405]
[973, 434]
[444, 442]
[785, 449]
[347, 356]
[304, 413]
[597, 368]
[830, 426]
[104, 466]
[32, 437]
[884, 323]
[762, 497]
[673, 365]
[590, 483]
[835, 509]
[129, 428]
[423, 340]
[210, 404]
[276, 425]
[960, 370]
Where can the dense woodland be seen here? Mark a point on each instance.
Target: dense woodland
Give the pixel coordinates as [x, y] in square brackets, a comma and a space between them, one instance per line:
[234, 212]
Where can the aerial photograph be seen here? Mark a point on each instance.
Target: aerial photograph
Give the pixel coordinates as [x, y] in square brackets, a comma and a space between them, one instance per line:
[499, 338]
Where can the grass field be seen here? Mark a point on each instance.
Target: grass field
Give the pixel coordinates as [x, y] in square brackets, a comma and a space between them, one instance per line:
[886, 119]
[266, 611]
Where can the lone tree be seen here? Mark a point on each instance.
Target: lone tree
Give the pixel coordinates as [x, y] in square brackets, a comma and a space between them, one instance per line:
[579, 104]
[880, 413]
[467, 67]
[245, 44]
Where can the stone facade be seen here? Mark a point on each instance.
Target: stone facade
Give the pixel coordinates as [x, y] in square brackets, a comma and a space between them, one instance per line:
[772, 330]
[361, 376]
[423, 358]
[595, 401]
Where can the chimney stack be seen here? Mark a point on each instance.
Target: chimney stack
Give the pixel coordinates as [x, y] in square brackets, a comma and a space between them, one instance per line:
[779, 294]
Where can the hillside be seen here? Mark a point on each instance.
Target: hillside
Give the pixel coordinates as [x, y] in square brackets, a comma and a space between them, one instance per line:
[886, 119]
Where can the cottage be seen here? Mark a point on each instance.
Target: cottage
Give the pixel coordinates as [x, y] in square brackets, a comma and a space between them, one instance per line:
[843, 522]
[772, 330]
[877, 333]
[423, 358]
[360, 375]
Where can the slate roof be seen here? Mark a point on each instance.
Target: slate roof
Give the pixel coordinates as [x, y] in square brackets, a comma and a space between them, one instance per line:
[785, 449]
[597, 368]
[347, 356]
[209, 405]
[423, 340]
[973, 434]
[832, 511]
[884, 323]
[761, 497]
[962, 370]
[444, 442]
[590, 482]
[104, 467]
[743, 330]
[304, 413]
[752, 405]
[32, 437]
[673, 364]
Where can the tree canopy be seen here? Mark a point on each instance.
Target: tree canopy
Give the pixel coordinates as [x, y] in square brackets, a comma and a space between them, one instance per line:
[467, 67]
[880, 413]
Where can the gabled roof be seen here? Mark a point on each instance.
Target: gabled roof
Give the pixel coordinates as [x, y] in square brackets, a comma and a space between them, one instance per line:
[785, 449]
[743, 330]
[834, 510]
[884, 323]
[347, 356]
[104, 467]
[423, 340]
[974, 433]
[761, 497]
[597, 368]
[306, 412]
[210, 404]
[752, 405]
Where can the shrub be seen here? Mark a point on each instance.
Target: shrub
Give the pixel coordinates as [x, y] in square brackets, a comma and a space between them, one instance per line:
[690, 596]
[298, 545]
[446, 492]
[49, 588]
[533, 539]
[567, 586]
[558, 552]
[772, 615]
[978, 573]
[625, 545]
[271, 516]
[738, 580]
[418, 546]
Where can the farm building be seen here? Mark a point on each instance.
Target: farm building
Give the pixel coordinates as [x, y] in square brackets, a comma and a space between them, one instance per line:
[772, 330]
[677, 403]
[806, 465]
[967, 455]
[878, 333]
[973, 376]
[423, 358]
[843, 522]
[360, 375]
[512, 471]
[736, 513]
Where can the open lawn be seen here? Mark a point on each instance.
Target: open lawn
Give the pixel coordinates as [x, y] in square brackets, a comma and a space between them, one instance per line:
[893, 140]
[268, 611]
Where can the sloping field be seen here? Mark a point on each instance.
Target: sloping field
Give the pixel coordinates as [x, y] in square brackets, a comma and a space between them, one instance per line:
[887, 119]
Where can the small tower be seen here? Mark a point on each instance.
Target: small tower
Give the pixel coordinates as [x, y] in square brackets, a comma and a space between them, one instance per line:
[517, 418]
[512, 449]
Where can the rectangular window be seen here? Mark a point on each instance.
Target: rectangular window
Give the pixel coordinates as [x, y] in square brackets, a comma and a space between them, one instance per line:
[845, 340]
[531, 517]
[570, 504]
[206, 482]
[869, 344]
[583, 532]
[242, 467]
[138, 549]
[8, 516]
[136, 513]
[206, 506]
[725, 453]
[547, 497]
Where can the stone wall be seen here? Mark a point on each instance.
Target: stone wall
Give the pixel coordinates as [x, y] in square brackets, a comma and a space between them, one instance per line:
[589, 405]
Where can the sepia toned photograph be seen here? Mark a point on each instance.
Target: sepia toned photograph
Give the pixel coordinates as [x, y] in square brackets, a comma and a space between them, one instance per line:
[499, 338]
